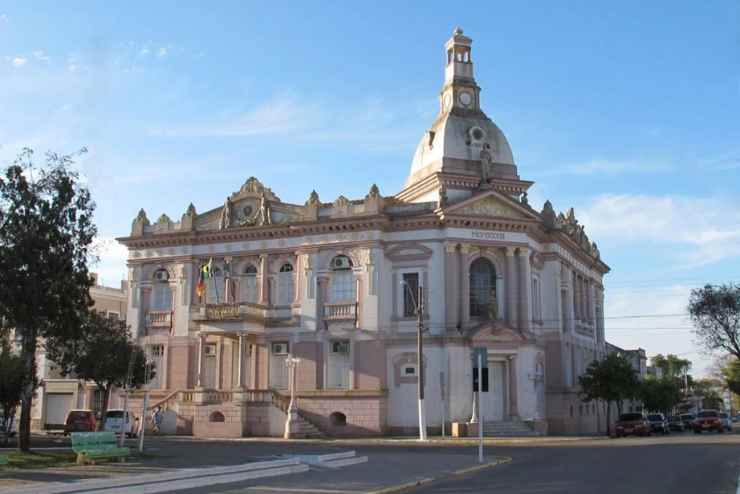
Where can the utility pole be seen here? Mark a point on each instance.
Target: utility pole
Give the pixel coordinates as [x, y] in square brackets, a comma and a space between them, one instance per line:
[420, 361]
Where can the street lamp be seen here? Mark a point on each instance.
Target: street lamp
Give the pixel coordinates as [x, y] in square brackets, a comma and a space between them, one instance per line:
[419, 306]
[291, 422]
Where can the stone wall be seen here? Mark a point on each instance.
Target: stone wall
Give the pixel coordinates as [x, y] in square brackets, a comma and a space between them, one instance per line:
[365, 416]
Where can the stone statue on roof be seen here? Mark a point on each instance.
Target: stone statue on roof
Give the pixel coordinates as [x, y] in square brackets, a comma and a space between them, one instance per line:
[486, 164]
[265, 212]
[225, 220]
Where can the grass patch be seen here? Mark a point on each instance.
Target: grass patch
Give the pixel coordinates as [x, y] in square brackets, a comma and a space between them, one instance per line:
[39, 460]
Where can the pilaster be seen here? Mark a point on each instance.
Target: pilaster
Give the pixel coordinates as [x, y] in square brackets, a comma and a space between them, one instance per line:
[525, 290]
[512, 317]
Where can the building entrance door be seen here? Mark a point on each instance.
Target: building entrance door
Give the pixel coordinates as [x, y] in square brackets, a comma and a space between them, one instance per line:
[492, 402]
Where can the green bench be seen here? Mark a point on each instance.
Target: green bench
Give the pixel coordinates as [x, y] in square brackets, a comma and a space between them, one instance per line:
[92, 445]
[3, 460]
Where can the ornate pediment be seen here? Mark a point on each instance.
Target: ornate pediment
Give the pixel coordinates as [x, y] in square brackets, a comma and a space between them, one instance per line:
[489, 206]
[254, 188]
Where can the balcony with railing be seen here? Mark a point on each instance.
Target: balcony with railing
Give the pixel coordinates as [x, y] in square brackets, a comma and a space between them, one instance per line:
[340, 311]
[159, 321]
[246, 311]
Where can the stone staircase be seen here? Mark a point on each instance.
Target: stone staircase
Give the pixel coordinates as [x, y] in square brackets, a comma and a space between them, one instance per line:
[306, 429]
[508, 428]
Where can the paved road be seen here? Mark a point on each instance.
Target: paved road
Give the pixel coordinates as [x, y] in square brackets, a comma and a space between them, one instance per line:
[678, 464]
[687, 463]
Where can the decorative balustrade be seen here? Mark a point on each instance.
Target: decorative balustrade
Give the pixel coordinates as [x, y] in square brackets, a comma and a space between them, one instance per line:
[340, 312]
[219, 312]
[159, 319]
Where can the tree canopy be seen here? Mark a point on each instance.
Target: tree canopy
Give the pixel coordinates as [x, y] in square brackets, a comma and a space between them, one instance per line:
[671, 365]
[124, 363]
[612, 380]
[715, 312]
[46, 232]
[660, 395]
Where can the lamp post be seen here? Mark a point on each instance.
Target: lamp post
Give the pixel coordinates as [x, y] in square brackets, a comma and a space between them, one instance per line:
[419, 305]
[291, 423]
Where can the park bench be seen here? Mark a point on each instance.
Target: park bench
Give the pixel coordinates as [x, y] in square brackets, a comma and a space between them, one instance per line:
[92, 445]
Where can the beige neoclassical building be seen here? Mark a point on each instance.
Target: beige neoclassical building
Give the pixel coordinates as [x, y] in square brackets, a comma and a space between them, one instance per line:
[332, 283]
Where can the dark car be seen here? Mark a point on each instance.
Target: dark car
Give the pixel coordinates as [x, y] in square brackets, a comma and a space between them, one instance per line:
[80, 421]
[688, 420]
[632, 423]
[658, 423]
[707, 420]
[676, 424]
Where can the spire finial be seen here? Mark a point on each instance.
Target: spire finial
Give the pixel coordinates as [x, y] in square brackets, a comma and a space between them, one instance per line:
[458, 31]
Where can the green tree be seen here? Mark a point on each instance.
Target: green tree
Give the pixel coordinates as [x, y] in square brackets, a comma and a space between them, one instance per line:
[707, 389]
[124, 365]
[731, 374]
[12, 381]
[660, 395]
[611, 380]
[715, 312]
[46, 230]
[671, 365]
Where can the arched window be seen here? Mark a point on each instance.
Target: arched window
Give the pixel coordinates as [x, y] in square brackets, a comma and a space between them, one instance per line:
[285, 284]
[161, 291]
[483, 302]
[343, 287]
[249, 284]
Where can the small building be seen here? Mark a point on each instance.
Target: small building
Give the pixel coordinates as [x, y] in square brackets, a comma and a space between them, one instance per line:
[221, 298]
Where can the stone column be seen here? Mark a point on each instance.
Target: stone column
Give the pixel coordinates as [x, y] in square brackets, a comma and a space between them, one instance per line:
[240, 365]
[254, 383]
[525, 290]
[513, 406]
[201, 343]
[511, 284]
[219, 360]
[568, 311]
[264, 295]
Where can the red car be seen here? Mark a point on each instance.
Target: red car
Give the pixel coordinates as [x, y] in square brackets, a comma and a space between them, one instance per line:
[80, 421]
[632, 423]
[707, 420]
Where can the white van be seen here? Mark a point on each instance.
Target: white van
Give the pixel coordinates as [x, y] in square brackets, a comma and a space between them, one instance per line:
[114, 419]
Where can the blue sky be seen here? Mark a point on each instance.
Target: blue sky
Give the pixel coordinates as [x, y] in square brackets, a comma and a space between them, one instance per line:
[627, 111]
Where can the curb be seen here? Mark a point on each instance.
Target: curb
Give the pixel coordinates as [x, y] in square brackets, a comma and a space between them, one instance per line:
[408, 486]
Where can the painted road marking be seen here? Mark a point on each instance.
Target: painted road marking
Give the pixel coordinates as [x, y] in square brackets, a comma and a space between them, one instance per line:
[297, 491]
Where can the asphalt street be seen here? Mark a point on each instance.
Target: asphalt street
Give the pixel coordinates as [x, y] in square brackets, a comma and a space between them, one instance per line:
[679, 463]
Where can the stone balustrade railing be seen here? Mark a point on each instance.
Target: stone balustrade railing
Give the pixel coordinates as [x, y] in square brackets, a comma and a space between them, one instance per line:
[340, 312]
[159, 319]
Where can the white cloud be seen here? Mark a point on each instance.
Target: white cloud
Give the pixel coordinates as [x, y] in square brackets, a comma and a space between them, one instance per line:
[111, 263]
[162, 52]
[607, 167]
[707, 228]
[3, 18]
[144, 51]
[279, 115]
[41, 56]
[19, 61]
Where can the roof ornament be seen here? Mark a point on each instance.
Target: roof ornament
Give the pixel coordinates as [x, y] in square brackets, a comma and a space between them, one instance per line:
[265, 212]
[524, 199]
[458, 31]
[549, 218]
[313, 199]
[224, 221]
[139, 224]
[442, 201]
[374, 192]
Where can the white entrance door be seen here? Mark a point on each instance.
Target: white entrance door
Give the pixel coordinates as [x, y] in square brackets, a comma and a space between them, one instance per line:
[492, 402]
[57, 407]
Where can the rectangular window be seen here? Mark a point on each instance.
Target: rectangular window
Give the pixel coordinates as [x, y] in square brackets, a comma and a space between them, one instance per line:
[410, 293]
[278, 370]
[113, 316]
[343, 286]
[155, 355]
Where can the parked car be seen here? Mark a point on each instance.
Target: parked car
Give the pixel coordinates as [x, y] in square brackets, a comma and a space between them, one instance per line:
[80, 421]
[632, 423]
[114, 422]
[707, 420]
[726, 421]
[676, 424]
[658, 423]
[688, 420]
